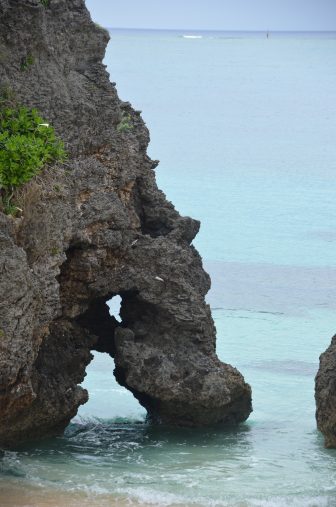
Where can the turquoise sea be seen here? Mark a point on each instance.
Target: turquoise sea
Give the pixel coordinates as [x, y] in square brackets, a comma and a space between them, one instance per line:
[245, 129]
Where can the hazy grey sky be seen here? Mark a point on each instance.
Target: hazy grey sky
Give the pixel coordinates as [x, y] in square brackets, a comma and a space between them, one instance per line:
[216, 14]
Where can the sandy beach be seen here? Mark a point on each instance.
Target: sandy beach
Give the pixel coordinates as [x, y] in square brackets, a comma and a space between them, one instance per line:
[17, 496]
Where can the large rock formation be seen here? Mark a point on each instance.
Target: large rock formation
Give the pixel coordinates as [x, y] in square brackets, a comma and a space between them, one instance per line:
[325, 395]
[93, 228]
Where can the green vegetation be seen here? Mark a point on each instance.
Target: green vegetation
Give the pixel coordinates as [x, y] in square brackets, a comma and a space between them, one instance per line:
[7, 97]
[45, 3]
[55, 251]
[26, 62]
[27, 144]
[125, 123]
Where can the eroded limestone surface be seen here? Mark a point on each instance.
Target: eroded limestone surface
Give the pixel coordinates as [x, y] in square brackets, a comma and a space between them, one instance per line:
[96, 227]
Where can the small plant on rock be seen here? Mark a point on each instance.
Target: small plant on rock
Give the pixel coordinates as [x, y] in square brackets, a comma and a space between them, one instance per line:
[125, 123]
[55, 251]
[26, 62]
[27, 144]
[7, 97]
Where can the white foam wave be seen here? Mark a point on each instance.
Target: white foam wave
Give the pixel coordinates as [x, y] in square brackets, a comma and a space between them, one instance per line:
[150, 497]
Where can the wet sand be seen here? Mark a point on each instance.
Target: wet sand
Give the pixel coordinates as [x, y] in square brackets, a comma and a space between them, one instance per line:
[11, 496]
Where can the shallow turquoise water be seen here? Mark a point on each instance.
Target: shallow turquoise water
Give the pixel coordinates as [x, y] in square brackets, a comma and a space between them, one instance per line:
[245, 129]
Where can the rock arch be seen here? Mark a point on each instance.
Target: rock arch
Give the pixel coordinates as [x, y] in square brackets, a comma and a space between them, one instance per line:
[96, 227]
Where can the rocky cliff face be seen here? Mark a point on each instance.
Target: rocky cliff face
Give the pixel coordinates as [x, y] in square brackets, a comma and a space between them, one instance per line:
[325, 395]
[93, 228]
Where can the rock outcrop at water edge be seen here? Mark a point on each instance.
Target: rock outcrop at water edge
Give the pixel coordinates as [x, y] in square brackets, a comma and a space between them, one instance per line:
[325, 395]
[92, 228]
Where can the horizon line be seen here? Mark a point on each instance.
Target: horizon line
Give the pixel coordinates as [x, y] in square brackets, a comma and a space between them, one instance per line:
[218, 30]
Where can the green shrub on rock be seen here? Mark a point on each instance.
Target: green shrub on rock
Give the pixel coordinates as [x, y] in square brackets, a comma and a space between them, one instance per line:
[27, 144]
[125, 123]
[26, 62]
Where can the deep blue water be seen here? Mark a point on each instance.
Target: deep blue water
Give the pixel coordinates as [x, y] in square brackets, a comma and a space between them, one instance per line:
[245, 129]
